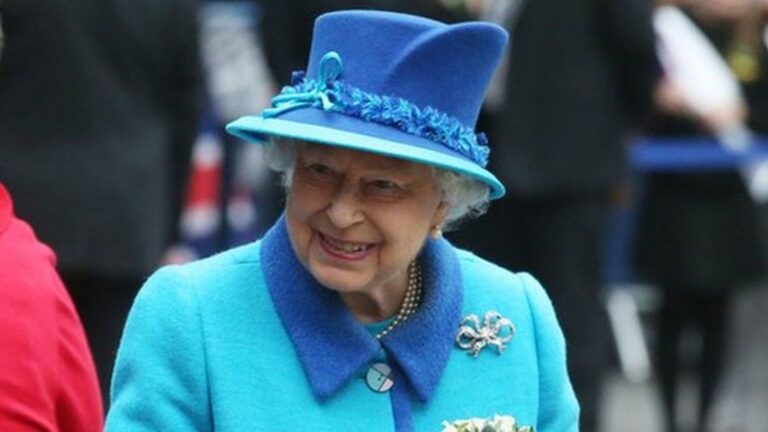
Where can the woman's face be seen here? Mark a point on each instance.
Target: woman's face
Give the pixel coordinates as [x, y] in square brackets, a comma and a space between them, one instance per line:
[356, 220]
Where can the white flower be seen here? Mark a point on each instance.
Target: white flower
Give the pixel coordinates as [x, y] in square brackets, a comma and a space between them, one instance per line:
[496, 424]
[504, 423]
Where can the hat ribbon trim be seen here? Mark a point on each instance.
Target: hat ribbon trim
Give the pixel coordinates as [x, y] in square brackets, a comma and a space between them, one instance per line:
[332, 94]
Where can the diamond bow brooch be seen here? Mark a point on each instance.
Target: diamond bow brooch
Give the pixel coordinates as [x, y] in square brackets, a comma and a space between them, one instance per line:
[495, 331]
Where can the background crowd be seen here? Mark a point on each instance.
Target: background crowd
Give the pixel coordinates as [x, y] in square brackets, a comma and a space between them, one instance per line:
[621, 175]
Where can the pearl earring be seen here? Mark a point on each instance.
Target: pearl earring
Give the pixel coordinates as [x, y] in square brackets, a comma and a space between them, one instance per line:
[436, 232]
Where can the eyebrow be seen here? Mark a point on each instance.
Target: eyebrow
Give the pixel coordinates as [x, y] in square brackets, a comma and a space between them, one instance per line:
[389, 165]
[384, 165]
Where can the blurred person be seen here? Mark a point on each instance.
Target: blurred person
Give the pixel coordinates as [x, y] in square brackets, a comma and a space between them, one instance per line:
[286, 25]
[48, 381]
[98, 110]
[353, 313]
[579, 77]
[698, 238]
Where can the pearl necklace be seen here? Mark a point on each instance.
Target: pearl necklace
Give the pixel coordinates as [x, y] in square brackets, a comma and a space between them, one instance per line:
[411, 301]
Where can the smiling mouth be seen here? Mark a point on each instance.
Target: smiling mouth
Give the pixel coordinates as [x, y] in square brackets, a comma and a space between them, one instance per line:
[342, 249]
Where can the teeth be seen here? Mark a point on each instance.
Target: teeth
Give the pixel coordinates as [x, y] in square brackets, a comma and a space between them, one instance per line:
[346, 247]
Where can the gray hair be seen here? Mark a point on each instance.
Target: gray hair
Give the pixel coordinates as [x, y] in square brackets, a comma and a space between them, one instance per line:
[466, 197]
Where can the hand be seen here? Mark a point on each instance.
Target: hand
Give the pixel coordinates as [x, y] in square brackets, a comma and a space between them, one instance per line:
[719, 120]
[669, 99]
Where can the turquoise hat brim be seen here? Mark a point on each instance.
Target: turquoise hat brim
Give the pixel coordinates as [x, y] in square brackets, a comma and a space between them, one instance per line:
[259, 129]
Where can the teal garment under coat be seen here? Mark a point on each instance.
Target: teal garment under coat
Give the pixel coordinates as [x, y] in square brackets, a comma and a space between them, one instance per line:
[209, 346]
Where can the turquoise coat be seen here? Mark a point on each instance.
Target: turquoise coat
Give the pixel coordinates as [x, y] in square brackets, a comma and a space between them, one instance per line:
[248, 341]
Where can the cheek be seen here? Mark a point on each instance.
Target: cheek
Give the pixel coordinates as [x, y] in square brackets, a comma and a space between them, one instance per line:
[404, 230]
[303, 201]
[298, 213]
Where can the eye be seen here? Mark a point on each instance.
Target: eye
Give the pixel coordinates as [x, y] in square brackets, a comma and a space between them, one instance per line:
[383, 189]
[318, 174]
[323, 170]
[385, 185]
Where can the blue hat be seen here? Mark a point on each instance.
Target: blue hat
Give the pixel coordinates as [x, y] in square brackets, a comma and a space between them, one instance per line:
[392, 84]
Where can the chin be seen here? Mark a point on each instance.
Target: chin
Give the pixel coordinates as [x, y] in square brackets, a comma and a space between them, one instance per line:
[339, 280]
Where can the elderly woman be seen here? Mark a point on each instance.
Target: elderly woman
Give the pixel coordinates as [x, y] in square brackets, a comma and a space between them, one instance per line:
[353, 313]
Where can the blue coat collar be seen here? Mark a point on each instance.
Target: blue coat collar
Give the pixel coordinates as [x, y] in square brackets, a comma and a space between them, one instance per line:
[333, 346]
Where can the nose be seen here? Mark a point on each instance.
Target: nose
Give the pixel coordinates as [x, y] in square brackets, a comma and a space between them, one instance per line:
[345, 209]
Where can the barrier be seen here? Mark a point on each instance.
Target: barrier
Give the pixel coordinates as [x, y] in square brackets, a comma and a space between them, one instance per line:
[652, 155]
[690, 154]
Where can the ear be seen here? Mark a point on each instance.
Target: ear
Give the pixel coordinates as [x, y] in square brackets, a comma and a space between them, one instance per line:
[441, 212]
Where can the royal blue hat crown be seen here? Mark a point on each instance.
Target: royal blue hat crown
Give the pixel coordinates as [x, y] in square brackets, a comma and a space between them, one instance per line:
[392, 84]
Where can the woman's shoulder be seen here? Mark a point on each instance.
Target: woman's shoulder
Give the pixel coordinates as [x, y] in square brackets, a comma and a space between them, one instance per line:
[212, 276]
[247, 254]
[490, 283]
[471, 262]
[479, 270]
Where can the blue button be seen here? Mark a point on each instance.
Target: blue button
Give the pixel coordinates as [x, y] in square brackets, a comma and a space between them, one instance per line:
[379, 378]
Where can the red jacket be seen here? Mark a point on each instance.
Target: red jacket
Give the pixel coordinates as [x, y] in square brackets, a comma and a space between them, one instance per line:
[47, 377]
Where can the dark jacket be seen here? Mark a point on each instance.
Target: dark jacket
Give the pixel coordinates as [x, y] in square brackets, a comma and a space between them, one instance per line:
[286, 26]
[98, 112]
[701, 230]
[579, 72]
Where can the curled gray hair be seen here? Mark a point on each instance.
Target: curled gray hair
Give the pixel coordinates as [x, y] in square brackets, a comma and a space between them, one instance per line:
[466, 197]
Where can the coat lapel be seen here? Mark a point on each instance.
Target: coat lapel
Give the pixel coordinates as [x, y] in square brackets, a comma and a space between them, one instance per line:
[332, 346]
